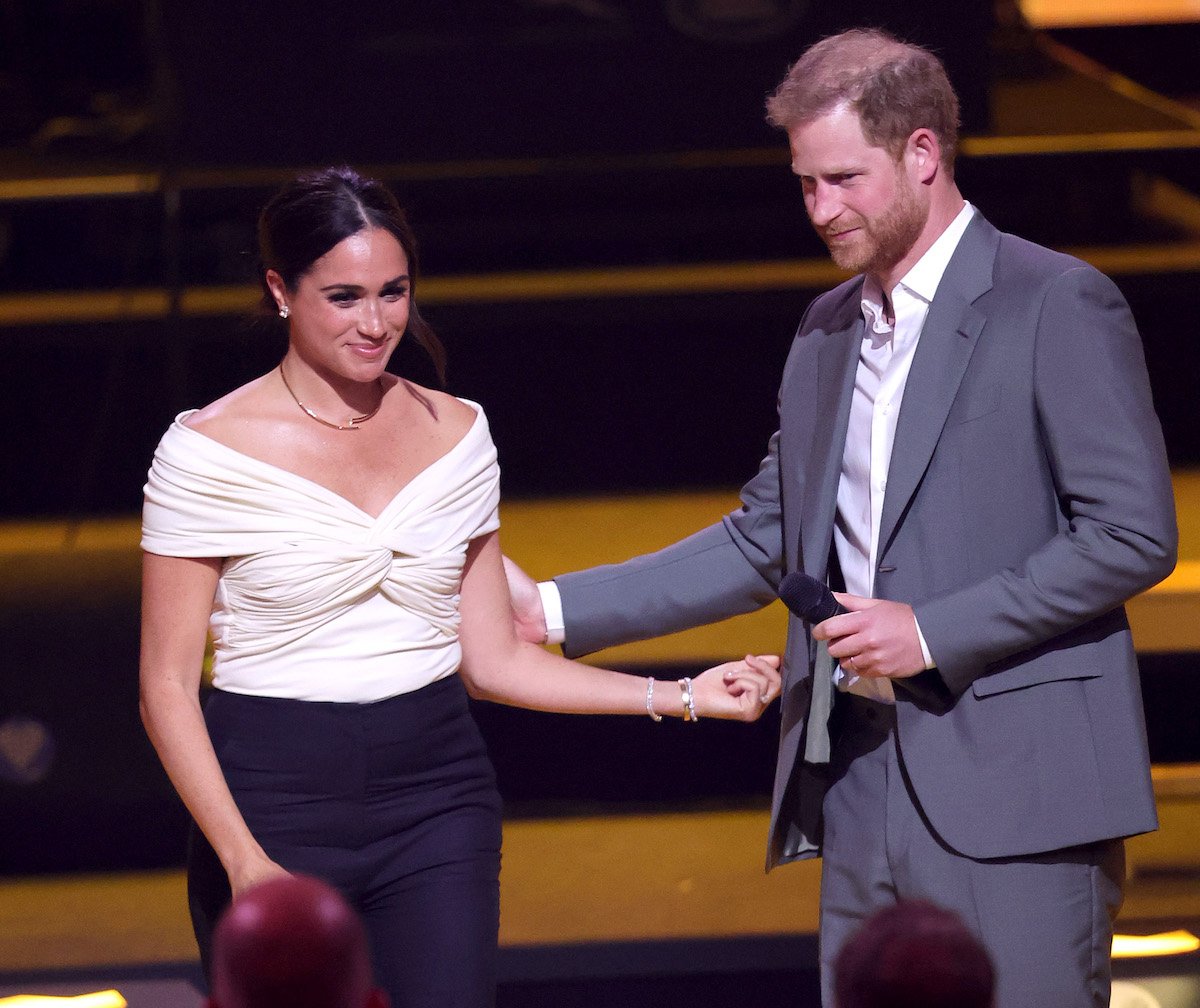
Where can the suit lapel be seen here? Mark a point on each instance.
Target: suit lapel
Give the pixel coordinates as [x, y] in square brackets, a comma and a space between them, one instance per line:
[837, 362]
[948, 339]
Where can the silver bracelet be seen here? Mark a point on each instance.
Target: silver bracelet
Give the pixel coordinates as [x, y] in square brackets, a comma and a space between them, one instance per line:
[689, 699]
[650, 700]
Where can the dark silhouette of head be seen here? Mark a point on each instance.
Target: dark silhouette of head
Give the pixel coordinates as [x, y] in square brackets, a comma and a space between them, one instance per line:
[914, 955]
[292, 942]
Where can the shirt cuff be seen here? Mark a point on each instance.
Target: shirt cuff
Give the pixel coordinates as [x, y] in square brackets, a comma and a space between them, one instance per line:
[556, 631]
[929, 663]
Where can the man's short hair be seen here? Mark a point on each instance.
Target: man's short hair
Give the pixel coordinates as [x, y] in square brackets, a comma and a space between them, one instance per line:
[914, 955]
[894, 87]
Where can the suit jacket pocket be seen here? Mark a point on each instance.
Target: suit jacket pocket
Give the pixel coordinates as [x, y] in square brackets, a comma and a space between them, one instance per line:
[1025, 676]
[1081, 653]
[971, 407]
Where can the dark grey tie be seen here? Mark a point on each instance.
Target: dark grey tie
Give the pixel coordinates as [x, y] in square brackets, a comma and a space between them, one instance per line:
[816, 735]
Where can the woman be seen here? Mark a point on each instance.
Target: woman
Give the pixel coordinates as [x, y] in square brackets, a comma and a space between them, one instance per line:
[335, 527]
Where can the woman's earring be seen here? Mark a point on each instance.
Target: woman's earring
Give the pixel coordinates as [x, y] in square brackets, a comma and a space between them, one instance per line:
[284, 311]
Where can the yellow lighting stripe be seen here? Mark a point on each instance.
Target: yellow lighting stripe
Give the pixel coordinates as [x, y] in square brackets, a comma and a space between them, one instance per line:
[574, 530]
[1139, 260]
[735, 157]
[1116, 82]
[632, 281]
[1081, 143]
[1176, 781]
[78, 187]
[101, 999]
[1168, 201]
[138, 183]
[549, 536]
[1090, 14]
[1168, 943]
[57, 307]
[153, 303]
[131, 183]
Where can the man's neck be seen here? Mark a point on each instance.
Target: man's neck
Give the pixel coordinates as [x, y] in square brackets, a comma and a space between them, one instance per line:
[943, 208]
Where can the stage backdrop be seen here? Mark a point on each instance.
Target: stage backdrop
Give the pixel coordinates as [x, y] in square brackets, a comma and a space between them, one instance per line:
[385, 82]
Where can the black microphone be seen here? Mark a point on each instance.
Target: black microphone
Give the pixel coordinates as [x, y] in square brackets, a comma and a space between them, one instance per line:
[811, 600]
[808, 598]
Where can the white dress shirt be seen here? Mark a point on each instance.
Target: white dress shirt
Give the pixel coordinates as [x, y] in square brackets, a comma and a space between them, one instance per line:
[886, 356]
[888, 348]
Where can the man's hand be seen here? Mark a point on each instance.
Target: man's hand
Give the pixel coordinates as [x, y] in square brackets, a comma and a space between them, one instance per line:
[529, 620]
[876, 638]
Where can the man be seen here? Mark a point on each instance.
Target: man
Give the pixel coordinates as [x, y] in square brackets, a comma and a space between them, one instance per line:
[914, 955]
[967, 445]
[292, 942]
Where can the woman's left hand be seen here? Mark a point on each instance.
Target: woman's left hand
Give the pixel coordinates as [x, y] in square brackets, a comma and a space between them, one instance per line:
[738, 690]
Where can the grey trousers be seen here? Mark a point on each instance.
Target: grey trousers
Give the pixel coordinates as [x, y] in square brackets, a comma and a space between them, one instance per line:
[1046, 919]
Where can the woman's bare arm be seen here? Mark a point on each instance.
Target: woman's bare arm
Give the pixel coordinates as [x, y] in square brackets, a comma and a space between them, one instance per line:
[177, 596]
[497, 666]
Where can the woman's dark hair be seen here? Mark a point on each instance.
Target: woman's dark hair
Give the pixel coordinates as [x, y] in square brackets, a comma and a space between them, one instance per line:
[315, 211]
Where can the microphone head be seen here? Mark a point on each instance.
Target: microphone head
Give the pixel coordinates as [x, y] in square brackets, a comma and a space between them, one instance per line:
[807, 597]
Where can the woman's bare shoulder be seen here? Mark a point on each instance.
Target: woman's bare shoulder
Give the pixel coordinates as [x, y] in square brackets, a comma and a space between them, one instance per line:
[452, 416]
[227, 418]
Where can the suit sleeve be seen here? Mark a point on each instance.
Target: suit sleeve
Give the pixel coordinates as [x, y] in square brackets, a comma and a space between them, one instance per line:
[731, 567]
[1103, 444]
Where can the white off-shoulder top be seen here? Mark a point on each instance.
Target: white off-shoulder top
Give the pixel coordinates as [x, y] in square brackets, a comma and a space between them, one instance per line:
[317, 600]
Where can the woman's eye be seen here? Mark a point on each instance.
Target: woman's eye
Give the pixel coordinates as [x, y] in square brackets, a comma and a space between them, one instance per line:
[342, 298]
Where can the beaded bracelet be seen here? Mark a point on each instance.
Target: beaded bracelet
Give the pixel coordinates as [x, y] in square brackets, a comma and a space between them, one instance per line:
[654, 716]
[689, 699]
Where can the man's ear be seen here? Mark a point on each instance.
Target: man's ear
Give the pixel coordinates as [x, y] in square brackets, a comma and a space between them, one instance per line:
[924, 153]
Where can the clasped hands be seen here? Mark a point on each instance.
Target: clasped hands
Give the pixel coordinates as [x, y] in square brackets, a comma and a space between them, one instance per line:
[876, 639]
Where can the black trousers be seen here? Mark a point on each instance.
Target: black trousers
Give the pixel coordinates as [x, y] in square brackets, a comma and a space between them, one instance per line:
[394, 803]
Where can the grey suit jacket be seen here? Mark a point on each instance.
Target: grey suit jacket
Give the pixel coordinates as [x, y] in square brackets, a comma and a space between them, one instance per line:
[1028, 498]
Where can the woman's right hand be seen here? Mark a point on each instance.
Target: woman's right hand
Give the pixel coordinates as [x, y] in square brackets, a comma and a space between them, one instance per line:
[740, 690]
[247, 876]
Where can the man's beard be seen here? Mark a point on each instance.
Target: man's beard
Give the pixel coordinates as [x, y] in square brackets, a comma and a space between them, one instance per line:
[885, 240]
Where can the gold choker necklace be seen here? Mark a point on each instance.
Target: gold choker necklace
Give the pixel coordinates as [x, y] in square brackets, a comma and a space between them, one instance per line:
[353, 423]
